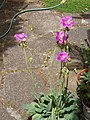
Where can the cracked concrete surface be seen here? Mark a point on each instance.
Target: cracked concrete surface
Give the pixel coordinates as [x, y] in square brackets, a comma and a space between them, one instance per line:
[17, 85]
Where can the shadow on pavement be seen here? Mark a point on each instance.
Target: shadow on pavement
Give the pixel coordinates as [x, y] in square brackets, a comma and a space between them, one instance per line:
[85, 16]
[6, 13]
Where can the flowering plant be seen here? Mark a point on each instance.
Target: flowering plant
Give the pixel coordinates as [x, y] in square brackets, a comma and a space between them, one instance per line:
[59, 105]
[22, 41]
[65, 48]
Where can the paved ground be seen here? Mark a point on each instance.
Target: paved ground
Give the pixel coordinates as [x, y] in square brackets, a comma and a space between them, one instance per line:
[17, 84]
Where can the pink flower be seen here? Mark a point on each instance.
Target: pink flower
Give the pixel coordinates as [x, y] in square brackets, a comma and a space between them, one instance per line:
[63, 56]
[60, 37]
[21, 36]
[67, 21]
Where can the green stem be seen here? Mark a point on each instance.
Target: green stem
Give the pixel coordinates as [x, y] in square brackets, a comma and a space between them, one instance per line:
[25, 56]
[29, 67]
[63, 82]
[61, 70]
[67, 80]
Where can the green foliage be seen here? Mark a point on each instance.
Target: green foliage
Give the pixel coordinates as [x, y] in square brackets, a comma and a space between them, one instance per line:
[55, 106]
[85, 52]
[70, 6]
[83, 88]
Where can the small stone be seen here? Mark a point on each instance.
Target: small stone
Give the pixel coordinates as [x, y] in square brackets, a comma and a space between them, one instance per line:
[83, 21]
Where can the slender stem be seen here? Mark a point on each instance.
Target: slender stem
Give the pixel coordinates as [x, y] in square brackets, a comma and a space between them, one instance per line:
[25, 56]
[29, 67]
[67, 80]
[61, 70]
[63, 85]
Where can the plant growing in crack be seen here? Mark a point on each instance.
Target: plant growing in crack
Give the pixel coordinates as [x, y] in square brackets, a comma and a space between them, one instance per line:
[61, 104]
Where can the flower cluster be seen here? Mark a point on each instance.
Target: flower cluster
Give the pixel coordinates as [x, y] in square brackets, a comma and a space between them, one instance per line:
[60, 37]
[67, 21]
[63, 56]
[21, 39]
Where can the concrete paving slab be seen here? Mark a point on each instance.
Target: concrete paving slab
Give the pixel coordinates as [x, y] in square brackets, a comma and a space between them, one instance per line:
[19, 87]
